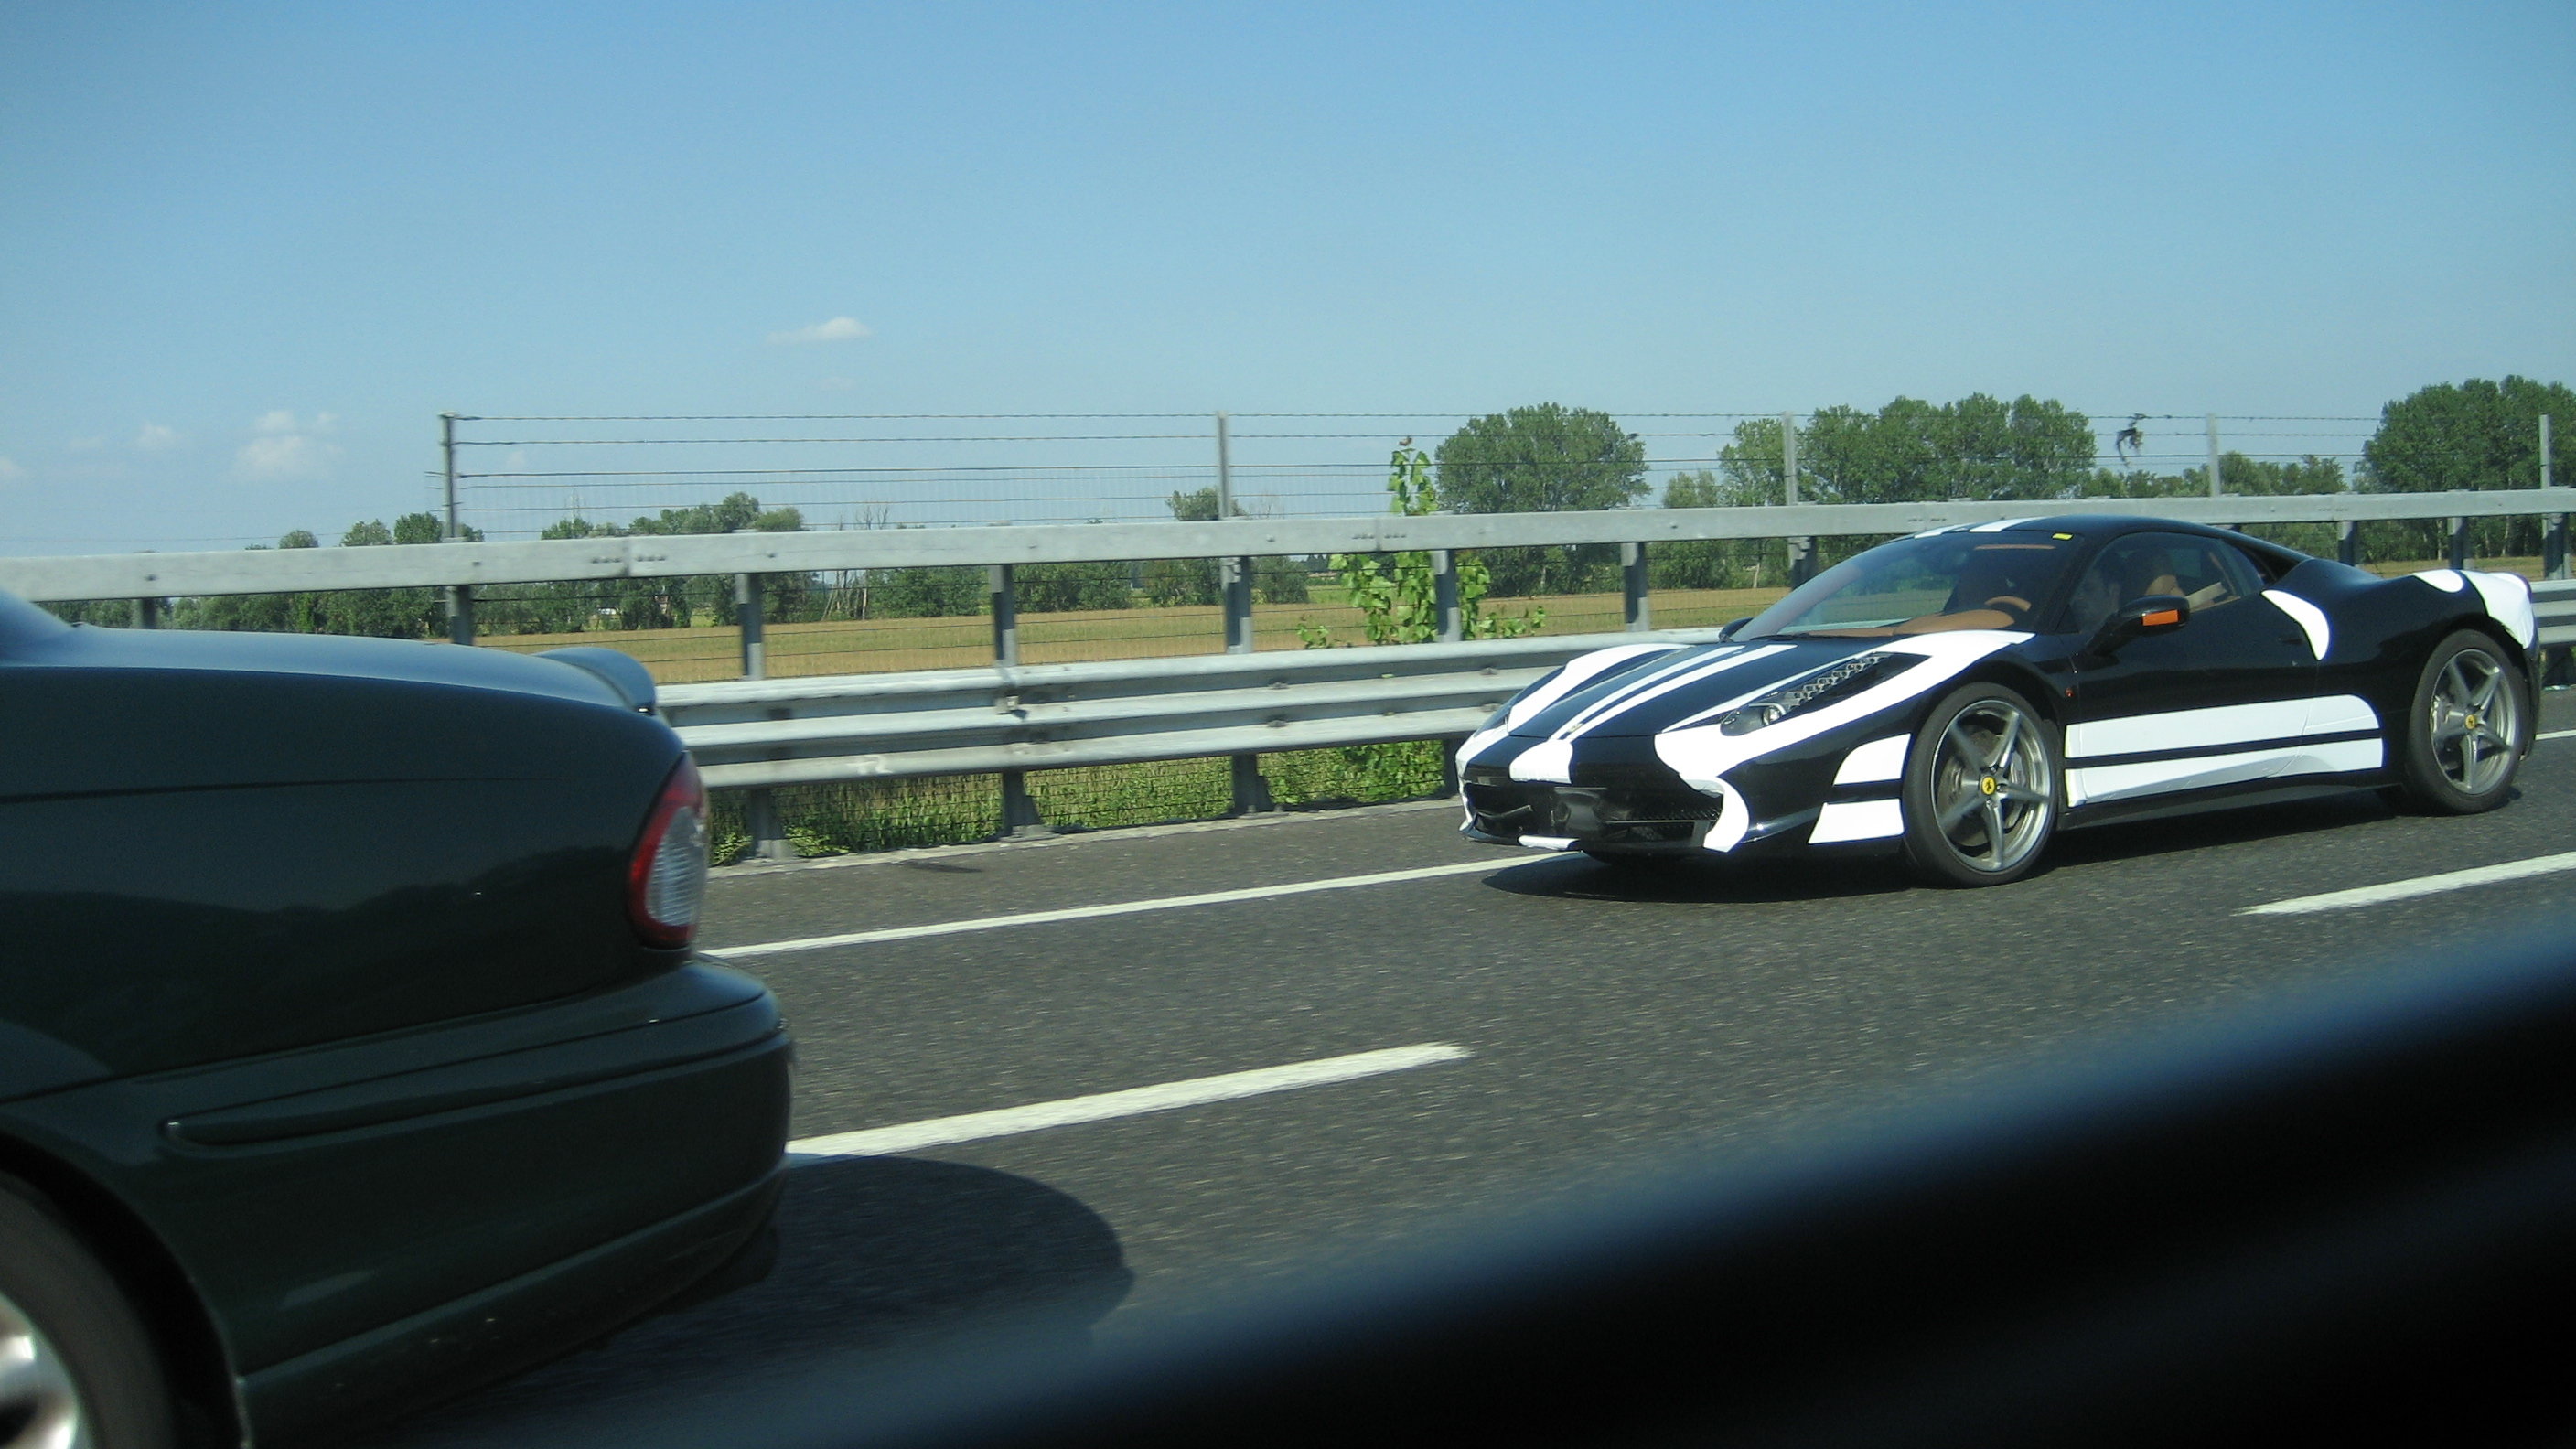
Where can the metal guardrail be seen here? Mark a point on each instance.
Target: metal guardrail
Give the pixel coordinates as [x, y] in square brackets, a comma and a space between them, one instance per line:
[762, 733]
[2553, 605]
[474, 565]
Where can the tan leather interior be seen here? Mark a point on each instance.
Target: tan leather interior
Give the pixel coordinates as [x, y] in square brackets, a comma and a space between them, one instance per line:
[1964, 619]
[2161, 584]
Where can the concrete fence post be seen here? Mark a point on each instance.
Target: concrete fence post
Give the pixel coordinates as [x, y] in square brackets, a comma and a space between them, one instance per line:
[1636, 604]
[2459, 549]
[2348, 543]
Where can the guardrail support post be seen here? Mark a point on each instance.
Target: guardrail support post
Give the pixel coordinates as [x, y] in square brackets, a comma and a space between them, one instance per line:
[1235, 578]
[1250, 792]
[1636, 606]
[2553, 548]
[1802, 551]
[460, 613]
[747, 613]
[147, 613]
[1019, 812]
[1444, 596]
[760, 821]
[2348, 543]
[1006, 615]
[2459, 528]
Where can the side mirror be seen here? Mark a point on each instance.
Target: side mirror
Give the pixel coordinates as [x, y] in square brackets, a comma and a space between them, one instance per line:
[2154, 614]
[1727, 629]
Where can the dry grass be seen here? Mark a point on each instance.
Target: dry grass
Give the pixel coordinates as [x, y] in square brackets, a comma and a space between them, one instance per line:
[688, 656]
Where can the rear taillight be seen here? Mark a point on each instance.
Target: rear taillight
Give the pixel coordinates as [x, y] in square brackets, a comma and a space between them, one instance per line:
[667, 877]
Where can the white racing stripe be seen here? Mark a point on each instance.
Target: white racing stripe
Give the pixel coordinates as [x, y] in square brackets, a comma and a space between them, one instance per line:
[1135, 1101]
[2422, 885]
[1121, 908]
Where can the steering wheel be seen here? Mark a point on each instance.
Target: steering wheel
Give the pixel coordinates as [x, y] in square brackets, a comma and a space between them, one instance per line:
[2017, 604]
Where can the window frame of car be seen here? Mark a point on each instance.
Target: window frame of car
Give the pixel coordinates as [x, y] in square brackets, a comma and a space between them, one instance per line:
[2258, 564]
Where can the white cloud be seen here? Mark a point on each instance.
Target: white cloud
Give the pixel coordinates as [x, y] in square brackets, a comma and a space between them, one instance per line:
[9, 468]
[282, 420]
[157, 439]
[839, 329]
[284, 457]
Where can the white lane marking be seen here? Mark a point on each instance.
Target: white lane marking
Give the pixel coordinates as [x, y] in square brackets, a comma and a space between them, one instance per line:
[1121, 908]
[2422, 885]
[1135, 1101]
[2555, 735]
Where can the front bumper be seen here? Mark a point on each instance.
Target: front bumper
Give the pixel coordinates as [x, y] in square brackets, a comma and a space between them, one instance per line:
[1624, 799]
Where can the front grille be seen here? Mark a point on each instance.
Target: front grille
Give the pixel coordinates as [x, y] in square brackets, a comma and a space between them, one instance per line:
[1588, 812]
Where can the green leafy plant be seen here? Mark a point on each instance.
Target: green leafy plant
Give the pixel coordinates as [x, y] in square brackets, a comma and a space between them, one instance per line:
[1398, 596]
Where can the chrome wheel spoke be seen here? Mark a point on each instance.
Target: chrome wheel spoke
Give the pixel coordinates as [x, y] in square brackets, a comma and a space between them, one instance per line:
[2022, 793]
[1958, 739]
[1994, 831]
[2485, 697]
[1958, 810]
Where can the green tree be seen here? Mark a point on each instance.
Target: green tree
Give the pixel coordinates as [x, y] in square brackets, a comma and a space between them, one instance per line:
[1173, 582]
[2463, 436]
[931, 591]
[1912, 451]
[1062, 588]
[1710, 563]
[1397, 595]
[1547, 458]
[381, 613]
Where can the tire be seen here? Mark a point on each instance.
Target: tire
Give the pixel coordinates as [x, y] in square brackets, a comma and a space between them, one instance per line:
[2466, 729]
[1990, 763]
[76, 1365]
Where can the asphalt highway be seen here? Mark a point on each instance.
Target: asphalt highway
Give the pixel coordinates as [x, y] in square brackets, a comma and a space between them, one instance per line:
[1549, 1030]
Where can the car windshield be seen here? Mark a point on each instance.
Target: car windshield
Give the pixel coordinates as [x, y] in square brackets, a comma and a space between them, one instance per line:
[1924, 586]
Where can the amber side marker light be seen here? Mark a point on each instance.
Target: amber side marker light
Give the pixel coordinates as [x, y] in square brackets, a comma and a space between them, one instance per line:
[666, 878]
[2162, 617]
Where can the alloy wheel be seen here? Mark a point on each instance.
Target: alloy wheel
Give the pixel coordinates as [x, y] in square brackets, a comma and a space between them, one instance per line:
[40, 1407]
[2475, 722]
[1993, 787]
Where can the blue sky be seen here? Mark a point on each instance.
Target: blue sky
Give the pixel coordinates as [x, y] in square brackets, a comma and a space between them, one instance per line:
[249, 251]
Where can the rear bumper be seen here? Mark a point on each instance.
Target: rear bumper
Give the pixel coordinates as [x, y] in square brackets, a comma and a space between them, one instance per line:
[507, 1327]
[402, 1216]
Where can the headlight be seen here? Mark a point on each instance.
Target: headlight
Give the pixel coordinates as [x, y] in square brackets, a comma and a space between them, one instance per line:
[1788, 699]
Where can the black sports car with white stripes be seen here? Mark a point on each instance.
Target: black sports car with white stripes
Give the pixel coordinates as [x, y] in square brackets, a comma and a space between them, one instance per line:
[1961, 695]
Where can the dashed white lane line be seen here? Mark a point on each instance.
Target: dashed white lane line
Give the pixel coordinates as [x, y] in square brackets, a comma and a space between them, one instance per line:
[1135, 1101]
[1122, 908]
[2554, 735]
[2422, 885]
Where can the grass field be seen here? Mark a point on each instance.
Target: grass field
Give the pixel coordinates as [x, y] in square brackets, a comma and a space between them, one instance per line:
[688, 656]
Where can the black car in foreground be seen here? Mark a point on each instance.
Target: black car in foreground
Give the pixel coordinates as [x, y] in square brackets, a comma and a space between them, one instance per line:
[1960, 695]
[353, 1051]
